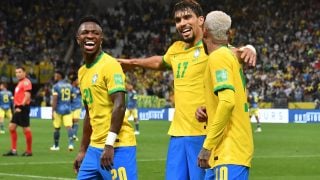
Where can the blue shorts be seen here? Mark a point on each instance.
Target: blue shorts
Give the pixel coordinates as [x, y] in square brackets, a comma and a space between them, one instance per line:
[125, 165]
[182, 158]
[228, 172]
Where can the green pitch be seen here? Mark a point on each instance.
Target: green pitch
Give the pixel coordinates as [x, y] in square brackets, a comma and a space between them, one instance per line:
[282, 151]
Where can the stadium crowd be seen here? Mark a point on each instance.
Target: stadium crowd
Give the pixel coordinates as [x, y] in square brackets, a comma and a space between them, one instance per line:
[286, 35]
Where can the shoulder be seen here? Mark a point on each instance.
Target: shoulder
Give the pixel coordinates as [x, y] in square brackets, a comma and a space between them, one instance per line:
[25, 82]
[176, 46]
[223, 54]
[108, 59]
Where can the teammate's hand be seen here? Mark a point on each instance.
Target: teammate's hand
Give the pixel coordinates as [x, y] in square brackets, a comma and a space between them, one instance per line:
[203, 158]
[106, 158]
[77, 162]
[126, 64]
[246, 54]
[201, 114]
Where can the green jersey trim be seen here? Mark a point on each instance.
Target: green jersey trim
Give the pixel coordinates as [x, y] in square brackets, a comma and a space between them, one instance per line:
[222, 87]
[166, 65]
[117, 90]
[95, 61]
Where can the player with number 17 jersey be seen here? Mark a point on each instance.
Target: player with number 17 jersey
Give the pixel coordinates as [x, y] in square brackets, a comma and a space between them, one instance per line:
[187, 64]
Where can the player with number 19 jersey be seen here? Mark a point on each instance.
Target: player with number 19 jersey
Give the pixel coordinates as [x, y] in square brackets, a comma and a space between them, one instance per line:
[63, 90]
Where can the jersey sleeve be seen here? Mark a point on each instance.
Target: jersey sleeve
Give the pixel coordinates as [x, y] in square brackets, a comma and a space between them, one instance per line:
[166, 59]
[115, 78]
[27, 86]
[221, 73]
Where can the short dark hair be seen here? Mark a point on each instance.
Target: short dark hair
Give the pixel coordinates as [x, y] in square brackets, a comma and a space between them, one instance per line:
[58, 71]
[4, 84]
[182, 5]
[89, 18]
[21, 67]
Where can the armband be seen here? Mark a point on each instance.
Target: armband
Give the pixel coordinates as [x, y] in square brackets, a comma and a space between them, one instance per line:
[111, 138]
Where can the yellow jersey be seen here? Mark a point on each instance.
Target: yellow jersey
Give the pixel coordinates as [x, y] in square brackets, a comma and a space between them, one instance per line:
[97, 81]
[234, 144]
[188, 67]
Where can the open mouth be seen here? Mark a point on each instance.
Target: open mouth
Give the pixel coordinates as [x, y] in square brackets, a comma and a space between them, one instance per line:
[186, 32]
[89, 45]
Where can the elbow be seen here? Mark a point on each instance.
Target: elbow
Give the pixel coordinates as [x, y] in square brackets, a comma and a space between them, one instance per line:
[229, 105]
[121, 107]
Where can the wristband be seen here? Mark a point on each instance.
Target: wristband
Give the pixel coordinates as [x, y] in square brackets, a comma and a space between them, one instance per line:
[251, 47]
[111, 138]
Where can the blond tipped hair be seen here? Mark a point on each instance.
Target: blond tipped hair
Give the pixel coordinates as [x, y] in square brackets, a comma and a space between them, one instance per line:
[218, 23]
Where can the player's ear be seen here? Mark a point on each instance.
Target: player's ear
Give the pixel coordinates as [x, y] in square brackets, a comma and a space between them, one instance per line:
[78, 40]
[205, 32]
[201, 20]
[102, 39]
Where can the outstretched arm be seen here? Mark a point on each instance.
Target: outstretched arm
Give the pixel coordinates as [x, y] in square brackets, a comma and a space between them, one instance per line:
[153, 62]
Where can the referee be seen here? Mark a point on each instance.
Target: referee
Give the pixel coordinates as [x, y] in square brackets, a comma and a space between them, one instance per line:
[22, 98]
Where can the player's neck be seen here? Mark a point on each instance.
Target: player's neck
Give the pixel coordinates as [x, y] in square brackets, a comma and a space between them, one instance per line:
[90, 58]
[216, 44]
[196, 42]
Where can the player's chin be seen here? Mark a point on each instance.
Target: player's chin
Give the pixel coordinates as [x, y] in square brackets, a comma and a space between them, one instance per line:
[91, 51]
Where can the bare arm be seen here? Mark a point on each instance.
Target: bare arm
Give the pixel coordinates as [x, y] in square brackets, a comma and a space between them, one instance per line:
[87, 130]
[153, 62]
[118, 111]
[27, 97]
[54, 102]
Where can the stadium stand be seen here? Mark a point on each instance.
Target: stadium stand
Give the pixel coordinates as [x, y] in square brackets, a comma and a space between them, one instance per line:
[286, 34]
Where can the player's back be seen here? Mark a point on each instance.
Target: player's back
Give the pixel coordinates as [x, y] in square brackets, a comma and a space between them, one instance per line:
[225, 72]
[5, 99]
[63, 90]
[75, 98]
[253, 100]
[132, 99]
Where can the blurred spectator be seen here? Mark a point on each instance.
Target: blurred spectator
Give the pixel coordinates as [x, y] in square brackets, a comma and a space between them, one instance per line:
[285, 33]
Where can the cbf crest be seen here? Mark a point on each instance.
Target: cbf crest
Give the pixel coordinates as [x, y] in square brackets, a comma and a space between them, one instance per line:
[94, 78]
[196, 53]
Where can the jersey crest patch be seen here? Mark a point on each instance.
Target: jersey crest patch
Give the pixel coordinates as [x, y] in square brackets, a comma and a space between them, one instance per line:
[118, 79]
[196, 53]
[221, 75]
[94, 78]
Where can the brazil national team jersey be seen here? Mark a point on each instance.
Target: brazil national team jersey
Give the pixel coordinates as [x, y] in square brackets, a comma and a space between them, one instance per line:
[97, 82]
[5, 99]
[188, 67]
[75, 98]
[63, 90]
[234, 145]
